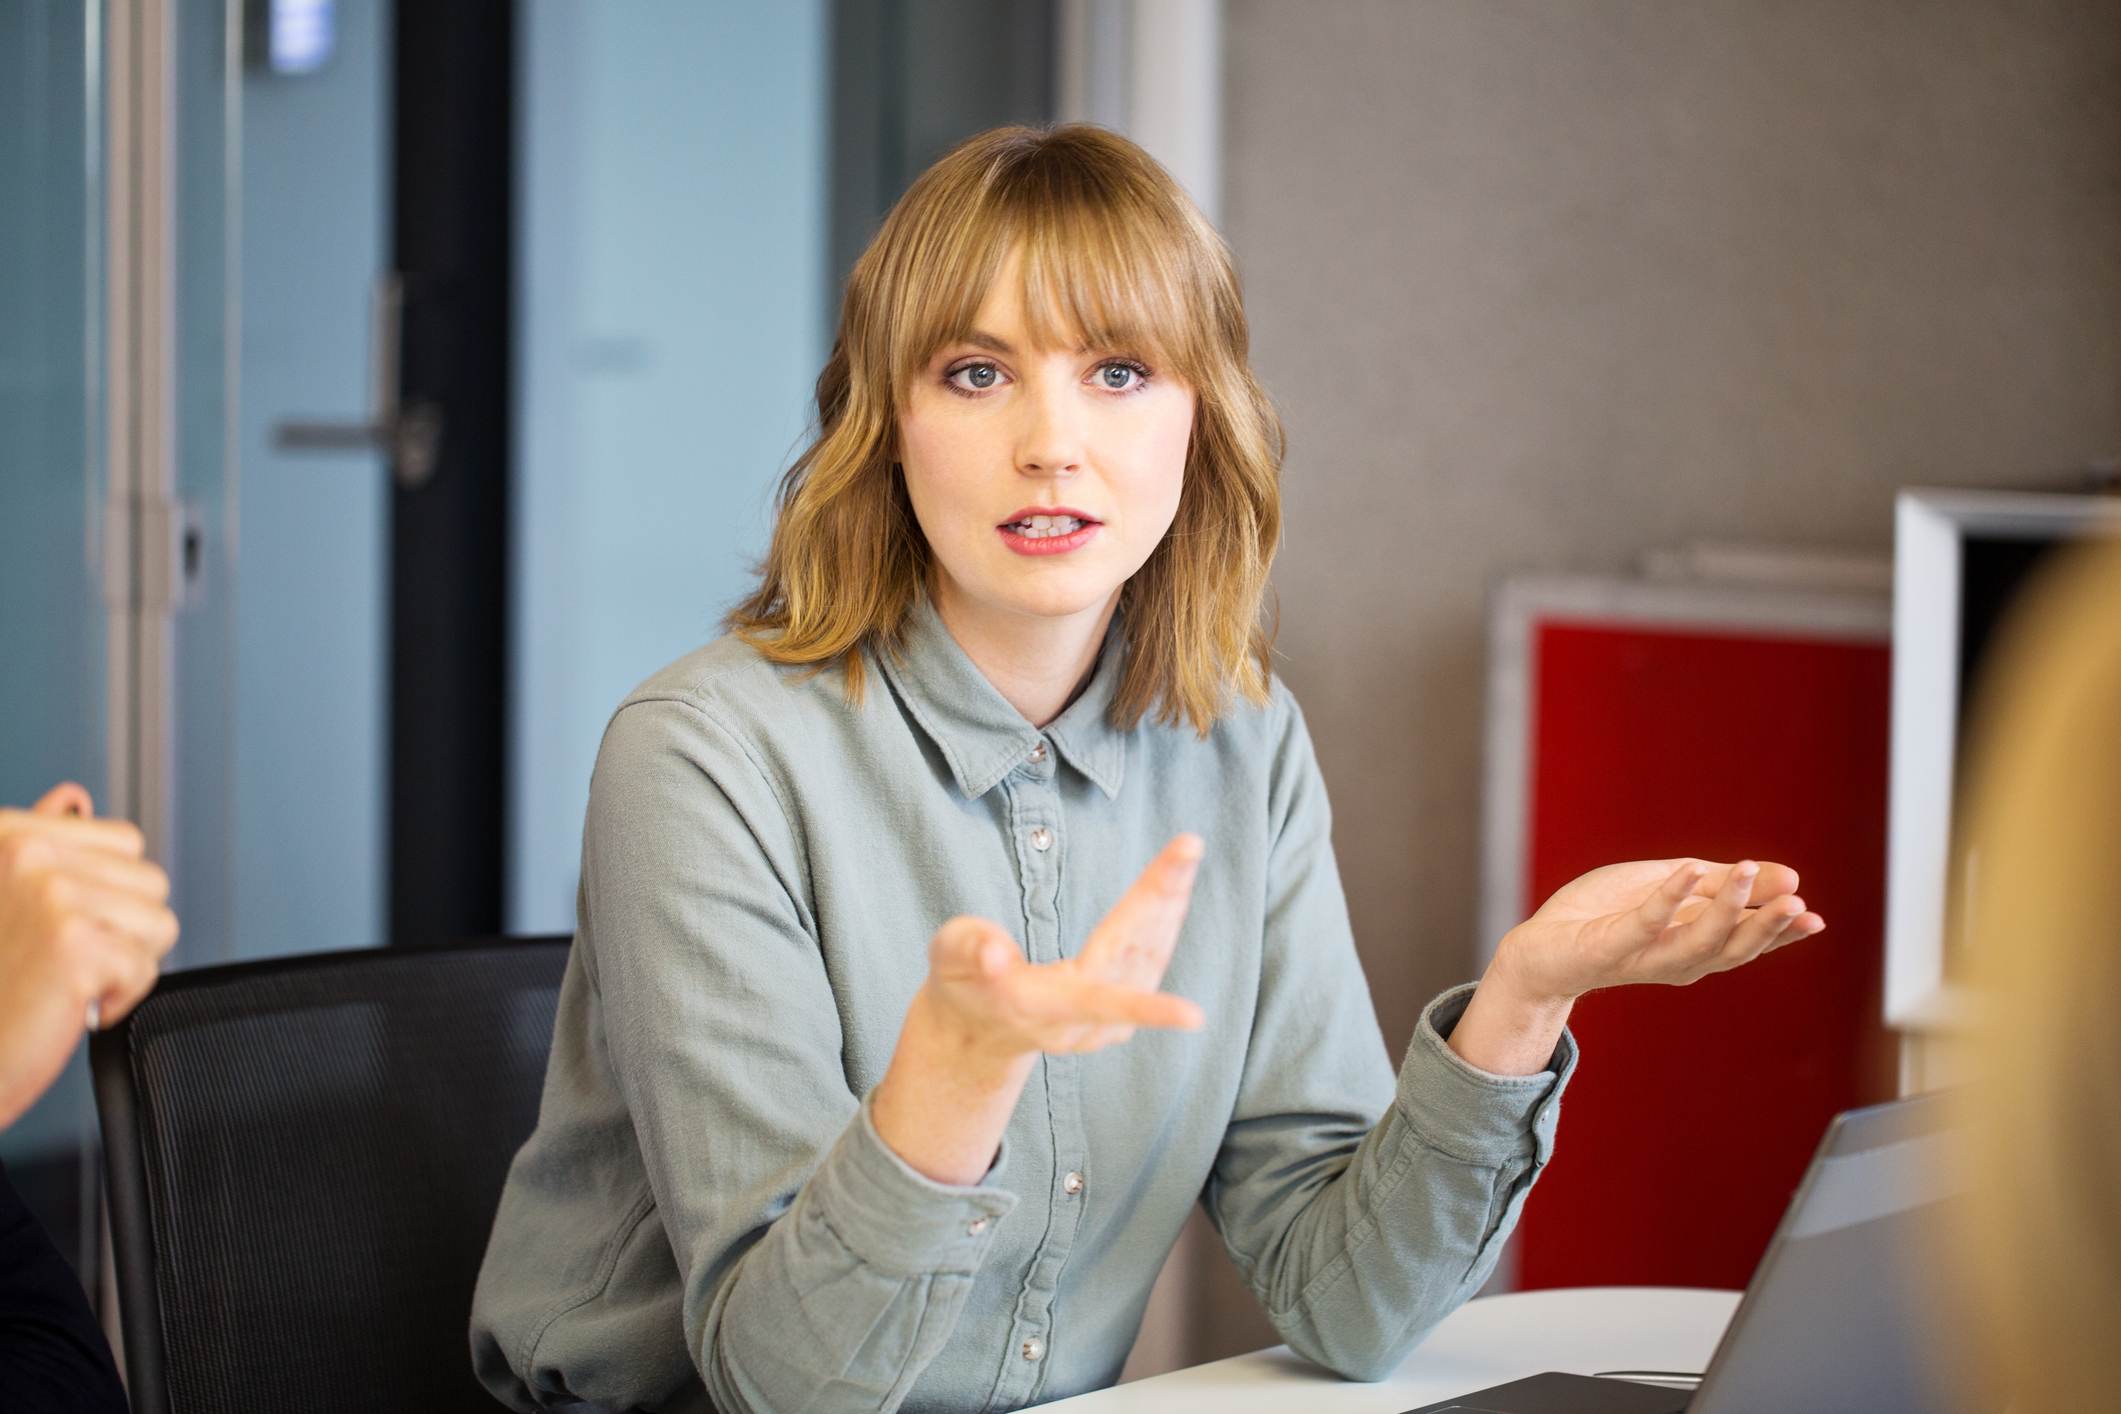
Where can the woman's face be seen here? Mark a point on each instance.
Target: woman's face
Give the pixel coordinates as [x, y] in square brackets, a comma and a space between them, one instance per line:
[996, 432]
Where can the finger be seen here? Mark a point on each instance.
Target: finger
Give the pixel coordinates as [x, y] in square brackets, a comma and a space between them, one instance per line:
[1758, 932]
[1805, 926]
[1772, 881]
[66, 798]
[1135, 939]
[1105, 1003]
[133, 976]
[1708, 932]
[996, 955]
[1692, 909]
[92, 959]
[1661, 909]
[968, 948]
[136, 877]
[111, 836]
[152, 925]
[24, 855]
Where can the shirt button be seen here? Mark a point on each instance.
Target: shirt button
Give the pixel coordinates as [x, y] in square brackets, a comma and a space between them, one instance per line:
[1072, 1184]
[1038, 754]
[1033, 1349]
[1042, 839]
[977, 1226]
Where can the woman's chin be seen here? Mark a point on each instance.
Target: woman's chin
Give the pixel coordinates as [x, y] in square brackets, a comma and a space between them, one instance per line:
[1047, 597]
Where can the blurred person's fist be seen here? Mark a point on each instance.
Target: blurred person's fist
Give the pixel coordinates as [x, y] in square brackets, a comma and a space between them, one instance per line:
[84, 924]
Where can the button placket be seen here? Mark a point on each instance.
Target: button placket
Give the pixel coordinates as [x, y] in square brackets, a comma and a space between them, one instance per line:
[1036, 819]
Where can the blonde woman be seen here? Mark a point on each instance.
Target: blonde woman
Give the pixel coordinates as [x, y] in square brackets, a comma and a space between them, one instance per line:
[875, 1084]
[2046, 949]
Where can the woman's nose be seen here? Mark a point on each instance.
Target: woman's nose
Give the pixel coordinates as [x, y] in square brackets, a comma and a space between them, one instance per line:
[1049, 441]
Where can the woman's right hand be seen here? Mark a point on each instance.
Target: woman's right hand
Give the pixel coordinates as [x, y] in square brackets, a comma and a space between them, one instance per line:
[985, 1013]
[1000, 1004]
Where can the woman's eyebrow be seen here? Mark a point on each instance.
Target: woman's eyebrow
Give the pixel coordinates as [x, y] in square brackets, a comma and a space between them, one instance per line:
[980, 338]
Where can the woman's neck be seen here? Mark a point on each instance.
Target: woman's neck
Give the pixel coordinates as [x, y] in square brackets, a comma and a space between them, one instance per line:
[1039, 664]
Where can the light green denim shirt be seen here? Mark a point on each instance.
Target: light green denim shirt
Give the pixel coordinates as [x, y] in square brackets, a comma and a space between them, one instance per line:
[705, 1208]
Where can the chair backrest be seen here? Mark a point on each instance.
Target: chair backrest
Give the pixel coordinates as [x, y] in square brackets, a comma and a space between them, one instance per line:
[304, 1157]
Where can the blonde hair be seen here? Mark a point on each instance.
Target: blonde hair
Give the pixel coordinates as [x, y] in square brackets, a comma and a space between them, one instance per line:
[2043, 1261]
[1114, 256]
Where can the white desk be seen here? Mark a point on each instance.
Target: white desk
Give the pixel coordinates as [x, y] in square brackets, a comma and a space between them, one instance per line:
[1582, 1330]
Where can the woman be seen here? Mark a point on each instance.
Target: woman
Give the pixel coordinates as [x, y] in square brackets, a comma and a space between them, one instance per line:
[804, 1148]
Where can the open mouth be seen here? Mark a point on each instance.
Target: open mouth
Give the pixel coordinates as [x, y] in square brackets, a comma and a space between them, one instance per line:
[1046, 527]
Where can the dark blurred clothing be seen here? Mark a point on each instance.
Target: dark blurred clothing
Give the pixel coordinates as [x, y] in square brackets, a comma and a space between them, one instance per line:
[53, 1358]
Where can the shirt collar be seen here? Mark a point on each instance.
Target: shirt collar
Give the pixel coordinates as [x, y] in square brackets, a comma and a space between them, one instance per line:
[980, 734]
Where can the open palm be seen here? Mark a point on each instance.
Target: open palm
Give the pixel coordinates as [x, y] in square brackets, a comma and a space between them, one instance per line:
[1672, 921]
[998, 999]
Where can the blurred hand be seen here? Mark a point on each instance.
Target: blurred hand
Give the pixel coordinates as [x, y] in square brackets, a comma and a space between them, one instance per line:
[83, 919]
[1664, 920]
[1003, 1006]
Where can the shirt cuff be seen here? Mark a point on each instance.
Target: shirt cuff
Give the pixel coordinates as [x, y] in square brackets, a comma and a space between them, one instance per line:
[899, 1220]
[1474, 1114]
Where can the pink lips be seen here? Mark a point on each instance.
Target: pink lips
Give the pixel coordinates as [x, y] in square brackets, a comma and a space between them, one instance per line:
[1048, 544]
[1029, 511]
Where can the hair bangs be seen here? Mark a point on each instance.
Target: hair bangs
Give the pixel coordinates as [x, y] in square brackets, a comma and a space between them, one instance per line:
[1107, 270]
[1096, 280]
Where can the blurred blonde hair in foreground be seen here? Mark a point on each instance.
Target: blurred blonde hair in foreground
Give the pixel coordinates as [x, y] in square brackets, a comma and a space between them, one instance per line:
[2043, 1260]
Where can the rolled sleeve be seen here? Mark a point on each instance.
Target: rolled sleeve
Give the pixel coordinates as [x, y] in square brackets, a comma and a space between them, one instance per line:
[1472, 1114]
[897, 1219]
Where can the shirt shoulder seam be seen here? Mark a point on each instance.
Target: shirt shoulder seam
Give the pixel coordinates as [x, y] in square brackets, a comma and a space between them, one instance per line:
[697, 704]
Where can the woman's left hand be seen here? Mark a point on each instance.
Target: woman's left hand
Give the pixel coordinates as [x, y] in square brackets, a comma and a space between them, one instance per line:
[1661, 920]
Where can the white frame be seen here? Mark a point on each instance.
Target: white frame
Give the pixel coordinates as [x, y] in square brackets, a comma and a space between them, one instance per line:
[1929, 527]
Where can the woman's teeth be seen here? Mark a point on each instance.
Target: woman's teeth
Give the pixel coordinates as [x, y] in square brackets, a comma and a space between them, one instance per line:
[1040, 527]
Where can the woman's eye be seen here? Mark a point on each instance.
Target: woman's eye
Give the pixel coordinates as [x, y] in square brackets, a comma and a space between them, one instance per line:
[1119, 377]
[976, 376]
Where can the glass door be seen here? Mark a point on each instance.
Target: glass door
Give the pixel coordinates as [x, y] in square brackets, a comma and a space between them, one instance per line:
[281, 738]
[194, 204]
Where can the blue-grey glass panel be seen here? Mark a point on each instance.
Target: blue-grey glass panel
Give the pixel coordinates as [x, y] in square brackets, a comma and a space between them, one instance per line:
[52, 636]
[670, 306]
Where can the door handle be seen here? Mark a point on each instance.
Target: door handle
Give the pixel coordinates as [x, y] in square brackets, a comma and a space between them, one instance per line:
[410, 434]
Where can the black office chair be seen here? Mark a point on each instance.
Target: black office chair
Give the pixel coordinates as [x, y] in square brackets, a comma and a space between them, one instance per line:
[304, 1156]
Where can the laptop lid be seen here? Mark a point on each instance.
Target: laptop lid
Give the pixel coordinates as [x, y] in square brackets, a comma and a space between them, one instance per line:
[1840, 1313]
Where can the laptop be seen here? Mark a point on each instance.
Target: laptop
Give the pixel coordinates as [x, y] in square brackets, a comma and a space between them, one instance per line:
[1832, 1320]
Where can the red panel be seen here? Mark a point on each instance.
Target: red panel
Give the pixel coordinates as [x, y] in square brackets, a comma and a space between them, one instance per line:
[1695, 1109]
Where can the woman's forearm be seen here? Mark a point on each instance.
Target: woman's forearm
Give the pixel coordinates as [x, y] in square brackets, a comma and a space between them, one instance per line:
[1505, 1031]
[944, 1100]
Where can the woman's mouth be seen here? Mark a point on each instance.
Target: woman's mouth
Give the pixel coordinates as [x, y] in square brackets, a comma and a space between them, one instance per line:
[1039, 527]
[1047, 535]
